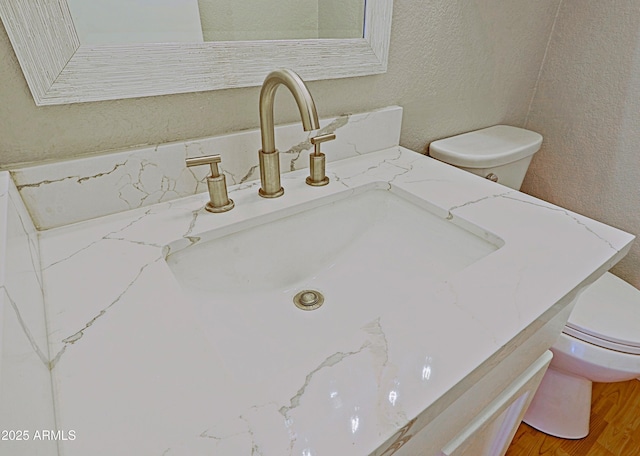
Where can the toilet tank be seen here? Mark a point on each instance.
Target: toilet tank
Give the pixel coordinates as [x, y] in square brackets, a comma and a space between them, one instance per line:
[501, 153]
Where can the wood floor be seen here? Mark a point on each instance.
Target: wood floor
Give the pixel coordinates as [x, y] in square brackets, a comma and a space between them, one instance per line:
[614, 429]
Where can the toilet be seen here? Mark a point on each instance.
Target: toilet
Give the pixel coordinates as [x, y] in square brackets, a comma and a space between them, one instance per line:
[601, 341]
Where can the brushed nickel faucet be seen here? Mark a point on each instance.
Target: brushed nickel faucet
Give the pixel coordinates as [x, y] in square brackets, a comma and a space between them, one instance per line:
[269, 155]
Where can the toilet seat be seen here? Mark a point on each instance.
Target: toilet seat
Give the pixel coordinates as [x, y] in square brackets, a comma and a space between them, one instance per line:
[607, 314]
[604, 343]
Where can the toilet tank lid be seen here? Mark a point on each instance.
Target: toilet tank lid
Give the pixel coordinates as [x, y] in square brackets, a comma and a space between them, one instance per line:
[609, 310]
[486, 148]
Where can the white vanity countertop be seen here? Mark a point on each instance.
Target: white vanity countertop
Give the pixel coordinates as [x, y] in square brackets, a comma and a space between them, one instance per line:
[135, 374]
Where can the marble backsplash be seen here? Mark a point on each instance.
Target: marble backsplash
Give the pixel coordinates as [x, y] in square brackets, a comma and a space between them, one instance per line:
[26, 399]
[64, 192]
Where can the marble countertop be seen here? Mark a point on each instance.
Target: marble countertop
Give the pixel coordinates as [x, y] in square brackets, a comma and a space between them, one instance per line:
[135, 373]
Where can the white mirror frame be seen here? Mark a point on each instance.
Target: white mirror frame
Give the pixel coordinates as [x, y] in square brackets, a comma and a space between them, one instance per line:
[60, 70]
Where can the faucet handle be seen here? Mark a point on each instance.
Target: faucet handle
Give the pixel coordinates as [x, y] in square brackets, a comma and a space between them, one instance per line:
[317, 140]
[212, 160]
[218, 198]
[317, 161]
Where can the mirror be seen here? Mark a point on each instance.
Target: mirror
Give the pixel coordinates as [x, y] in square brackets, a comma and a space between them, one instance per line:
[60, 69]
[148, 21]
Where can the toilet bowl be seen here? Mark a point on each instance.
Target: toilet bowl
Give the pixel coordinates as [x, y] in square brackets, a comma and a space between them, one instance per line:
[601, 341]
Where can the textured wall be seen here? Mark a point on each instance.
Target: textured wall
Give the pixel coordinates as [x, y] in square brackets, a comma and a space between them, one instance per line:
[454, 66]
[587, 107]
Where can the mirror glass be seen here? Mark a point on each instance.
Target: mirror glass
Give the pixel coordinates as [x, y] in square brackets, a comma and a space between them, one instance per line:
[67, 61]
[151, 21]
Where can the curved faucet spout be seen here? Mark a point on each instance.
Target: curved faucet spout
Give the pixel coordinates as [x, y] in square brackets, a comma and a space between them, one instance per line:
[269, 156]
[306, 105]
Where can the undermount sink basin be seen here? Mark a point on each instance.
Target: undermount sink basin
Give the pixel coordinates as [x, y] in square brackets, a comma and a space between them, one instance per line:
[363, 253]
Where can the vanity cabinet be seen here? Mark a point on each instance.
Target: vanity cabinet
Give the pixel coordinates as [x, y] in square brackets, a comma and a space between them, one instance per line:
[490, 431]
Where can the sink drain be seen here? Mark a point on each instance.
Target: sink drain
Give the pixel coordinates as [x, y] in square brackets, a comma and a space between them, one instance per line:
[308, 299]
